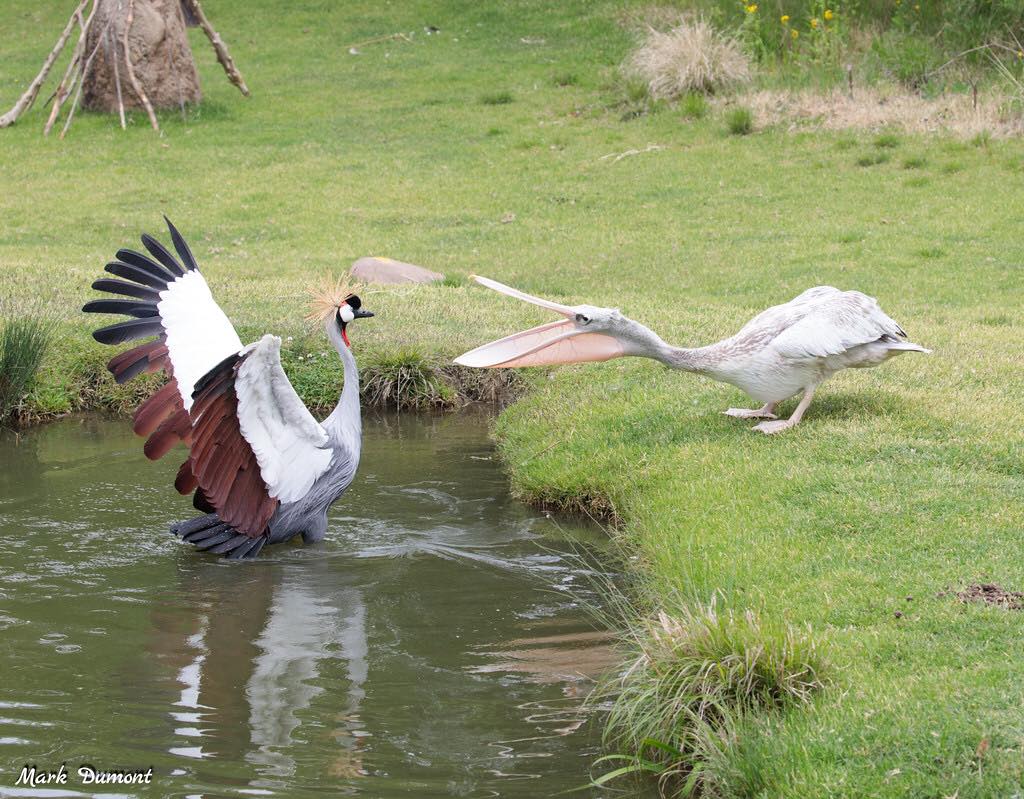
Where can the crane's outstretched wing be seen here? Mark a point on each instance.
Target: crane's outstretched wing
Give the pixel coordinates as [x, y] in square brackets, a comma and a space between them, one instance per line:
[826, 321]
[252, 442]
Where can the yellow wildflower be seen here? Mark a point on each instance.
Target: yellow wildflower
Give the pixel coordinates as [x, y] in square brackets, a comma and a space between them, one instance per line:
[828, 14]
[785, 18]
[814, 24]
[752, 8]
[917, 6]
[1020, 54]
[795, 33]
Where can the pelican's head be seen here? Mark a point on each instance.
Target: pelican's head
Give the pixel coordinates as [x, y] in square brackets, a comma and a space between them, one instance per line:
[588, 333]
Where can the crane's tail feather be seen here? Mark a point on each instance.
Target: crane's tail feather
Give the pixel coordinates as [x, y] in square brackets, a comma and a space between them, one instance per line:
[211, 534]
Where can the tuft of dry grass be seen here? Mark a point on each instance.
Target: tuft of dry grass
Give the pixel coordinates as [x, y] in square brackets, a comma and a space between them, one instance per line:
[654, 17]
[883, 107]
[692, 57]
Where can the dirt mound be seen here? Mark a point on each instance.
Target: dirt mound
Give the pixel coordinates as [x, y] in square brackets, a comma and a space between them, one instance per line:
[990, 594]
[159, 51]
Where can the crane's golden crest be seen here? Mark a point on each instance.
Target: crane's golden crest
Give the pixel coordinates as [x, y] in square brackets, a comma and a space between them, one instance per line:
[328, 294]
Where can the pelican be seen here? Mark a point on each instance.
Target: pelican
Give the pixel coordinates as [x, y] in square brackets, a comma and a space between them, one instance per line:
[784, 350]
[262, 468]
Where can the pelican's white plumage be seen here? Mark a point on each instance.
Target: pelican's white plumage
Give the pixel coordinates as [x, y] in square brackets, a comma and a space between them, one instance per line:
[784, 350]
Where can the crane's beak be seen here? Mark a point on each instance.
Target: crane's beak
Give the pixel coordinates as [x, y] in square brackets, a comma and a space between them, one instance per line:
[546, 345]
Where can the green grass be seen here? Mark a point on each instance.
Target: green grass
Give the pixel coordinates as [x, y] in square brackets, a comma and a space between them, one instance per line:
[693, 674]
[739, 121]
[694, 106]
[497, 98]
[900, 481]
[873, 159]
[24, 341]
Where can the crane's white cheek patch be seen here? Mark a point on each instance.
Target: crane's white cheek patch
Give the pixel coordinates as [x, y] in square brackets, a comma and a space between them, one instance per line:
[347, 314]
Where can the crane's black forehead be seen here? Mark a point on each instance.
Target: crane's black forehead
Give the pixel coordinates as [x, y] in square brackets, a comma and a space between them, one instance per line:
[354, 302]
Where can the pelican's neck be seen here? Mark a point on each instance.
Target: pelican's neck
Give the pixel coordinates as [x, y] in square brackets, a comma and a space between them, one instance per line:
[645, 343]
[345, 422]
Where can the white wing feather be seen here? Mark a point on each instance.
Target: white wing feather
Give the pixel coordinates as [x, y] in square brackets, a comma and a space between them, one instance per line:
[832, 322]
[199, 335]
[290, 445]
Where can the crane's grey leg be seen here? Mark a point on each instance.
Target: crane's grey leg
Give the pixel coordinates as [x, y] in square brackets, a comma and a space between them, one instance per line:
[784, 424]
[766, 412]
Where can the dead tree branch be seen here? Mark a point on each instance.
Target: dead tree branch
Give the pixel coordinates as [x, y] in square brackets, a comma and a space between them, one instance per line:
[223, 56]
[136, 86]
[29, 97]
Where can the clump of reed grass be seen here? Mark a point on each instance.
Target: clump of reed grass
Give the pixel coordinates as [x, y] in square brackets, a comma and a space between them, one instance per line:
[694, 106]
[873, 159]
[887, 140]
[407, 379]
[23, 345]
[694, 673]
[692, 57]
[497, 98]
[739, 121]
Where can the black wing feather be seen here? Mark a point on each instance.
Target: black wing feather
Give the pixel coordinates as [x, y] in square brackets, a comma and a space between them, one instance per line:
[158, 251]
[212, 541]
[126, 289]
[182, 247]
[140, 310]
[128, 331]
[145, 277]
[146, 263]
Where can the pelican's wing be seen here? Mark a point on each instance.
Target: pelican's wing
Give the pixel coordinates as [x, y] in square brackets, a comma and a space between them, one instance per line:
[830, 322]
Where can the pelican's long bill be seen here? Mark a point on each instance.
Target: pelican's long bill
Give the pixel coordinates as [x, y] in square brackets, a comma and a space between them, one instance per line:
[546, 345]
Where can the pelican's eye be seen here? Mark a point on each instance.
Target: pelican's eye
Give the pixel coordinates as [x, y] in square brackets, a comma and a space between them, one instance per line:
[582, 319]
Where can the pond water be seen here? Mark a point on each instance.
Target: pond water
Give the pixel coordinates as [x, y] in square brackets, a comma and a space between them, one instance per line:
[433, 645]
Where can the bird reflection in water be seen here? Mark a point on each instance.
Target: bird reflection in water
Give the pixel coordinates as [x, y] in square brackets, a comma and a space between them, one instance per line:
[256, 655]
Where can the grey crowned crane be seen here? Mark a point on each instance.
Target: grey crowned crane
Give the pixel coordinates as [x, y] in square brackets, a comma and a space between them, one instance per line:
[784, 350]
[262, 469]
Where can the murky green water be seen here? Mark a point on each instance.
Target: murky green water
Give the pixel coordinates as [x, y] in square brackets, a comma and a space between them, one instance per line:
[430, 647]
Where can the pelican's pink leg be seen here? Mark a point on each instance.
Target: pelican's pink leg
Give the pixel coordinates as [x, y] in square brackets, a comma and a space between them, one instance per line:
[784, 424]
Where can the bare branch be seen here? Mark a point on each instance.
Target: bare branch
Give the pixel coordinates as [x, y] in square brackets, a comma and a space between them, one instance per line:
[223, 56]
[67, 82]
[81, 79]
[136, 86]
[117, 81]
[29, 97]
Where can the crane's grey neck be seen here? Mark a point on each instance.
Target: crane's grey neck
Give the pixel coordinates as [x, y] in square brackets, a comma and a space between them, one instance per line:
[345, 423]
[643, 342]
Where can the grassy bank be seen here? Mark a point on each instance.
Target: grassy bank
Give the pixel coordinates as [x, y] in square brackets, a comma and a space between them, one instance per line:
[502, 145]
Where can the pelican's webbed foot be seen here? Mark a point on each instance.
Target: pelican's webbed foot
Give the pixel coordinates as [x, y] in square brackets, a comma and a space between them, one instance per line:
[765, 412]
[769, 428]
